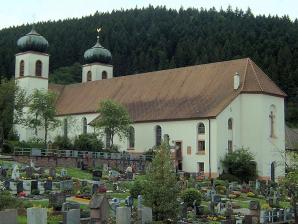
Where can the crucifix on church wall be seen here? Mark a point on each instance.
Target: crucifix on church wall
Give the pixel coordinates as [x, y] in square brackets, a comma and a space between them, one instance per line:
[272, 117]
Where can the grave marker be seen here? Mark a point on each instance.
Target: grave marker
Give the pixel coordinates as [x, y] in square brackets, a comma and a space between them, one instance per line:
[36, 216]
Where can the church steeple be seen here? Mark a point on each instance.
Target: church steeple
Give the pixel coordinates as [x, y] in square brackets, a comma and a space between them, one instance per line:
[32, 62]
[98, 63]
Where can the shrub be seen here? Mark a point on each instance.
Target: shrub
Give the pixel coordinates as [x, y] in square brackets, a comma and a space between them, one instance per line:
[221, 189]
[250, 194]
[62, 142]
[229, 177]
[88, 142]
[8, 148]
[241, 164]
[190, 195]
[137, 188]
[7, 201]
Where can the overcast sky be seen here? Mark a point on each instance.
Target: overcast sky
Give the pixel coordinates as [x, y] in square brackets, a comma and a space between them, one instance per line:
[17, 12]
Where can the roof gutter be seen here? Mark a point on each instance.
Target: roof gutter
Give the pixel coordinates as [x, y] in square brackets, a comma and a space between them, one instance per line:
[209, 135]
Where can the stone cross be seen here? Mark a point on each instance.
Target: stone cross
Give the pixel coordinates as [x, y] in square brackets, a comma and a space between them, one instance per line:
[272, 116]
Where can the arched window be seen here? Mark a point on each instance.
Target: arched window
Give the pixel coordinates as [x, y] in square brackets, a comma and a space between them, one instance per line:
[65, 128]
[157, 135]
[201, 128]
[230, 124]
[89, 76]
[131, 138]
[38, 68]
[22, 68]
[108, 139]
[84, 125]
[104, 75]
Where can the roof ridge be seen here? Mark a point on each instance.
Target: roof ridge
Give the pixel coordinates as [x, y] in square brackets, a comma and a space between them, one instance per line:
[257, 78]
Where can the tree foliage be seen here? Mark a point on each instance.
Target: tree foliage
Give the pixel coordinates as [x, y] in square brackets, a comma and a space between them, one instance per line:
[113, 120]
[12, 101]
[161, 190]
[42, 112]
[155, 38]
[88, 142]
[240, 163]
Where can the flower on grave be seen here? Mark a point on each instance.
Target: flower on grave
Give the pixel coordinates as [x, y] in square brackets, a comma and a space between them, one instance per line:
[250, 194]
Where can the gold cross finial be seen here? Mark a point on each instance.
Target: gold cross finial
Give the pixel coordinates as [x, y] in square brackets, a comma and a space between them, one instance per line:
[98, 30]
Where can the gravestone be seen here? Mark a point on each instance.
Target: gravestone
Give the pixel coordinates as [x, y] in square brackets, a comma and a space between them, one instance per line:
[99, 208]
[13, 187]
[20, 187]
[140, 201]
[27, 186]
[72, 216]
[34, 186]
[115, 204]
[254, 205]
[66, 185]
[29, 171]
[36, 216]
[6, 184]
[52, 172]
[56, 200]
[41, 187]
[8, 216]
[145, 215]
[48, 185]
[129, 201]
[15, 174]
[66, 206]
[3, 173]
[63, 172]
[123, 215]
[96, 175]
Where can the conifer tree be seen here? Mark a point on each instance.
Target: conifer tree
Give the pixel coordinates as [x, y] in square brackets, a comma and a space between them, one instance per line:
[161, 190]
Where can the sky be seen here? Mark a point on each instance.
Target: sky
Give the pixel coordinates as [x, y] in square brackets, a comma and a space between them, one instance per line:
[18, 12]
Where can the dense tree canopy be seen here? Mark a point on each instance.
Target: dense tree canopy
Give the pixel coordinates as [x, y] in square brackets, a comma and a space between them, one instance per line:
[151, 38]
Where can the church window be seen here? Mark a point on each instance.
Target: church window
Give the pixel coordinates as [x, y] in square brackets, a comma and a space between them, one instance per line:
[201, 167]
[104, 75]
[230, 146]
[230, 124]
[108, 139]
[157, 135]
[38, 68]
[131, 138]
[65, 128]
[89, 76]
[272, 121]
[201, 146]
[22, 68]
[201, 128]
[84, 125]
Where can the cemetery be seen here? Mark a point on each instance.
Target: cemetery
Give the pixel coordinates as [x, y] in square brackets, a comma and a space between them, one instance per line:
[102, 194]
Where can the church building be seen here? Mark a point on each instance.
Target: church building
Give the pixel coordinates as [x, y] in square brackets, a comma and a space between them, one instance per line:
[206, 110]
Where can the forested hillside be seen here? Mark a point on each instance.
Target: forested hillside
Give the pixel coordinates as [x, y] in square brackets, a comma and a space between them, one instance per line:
[158, 38]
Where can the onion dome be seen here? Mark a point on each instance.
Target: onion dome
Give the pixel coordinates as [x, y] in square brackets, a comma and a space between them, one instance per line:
[98, 54]
[33, 41]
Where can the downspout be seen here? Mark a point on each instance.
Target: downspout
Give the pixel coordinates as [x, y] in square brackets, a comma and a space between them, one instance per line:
[209, 133]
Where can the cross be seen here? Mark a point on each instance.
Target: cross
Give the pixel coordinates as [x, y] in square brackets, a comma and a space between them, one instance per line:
[98, 30]
[272, 116]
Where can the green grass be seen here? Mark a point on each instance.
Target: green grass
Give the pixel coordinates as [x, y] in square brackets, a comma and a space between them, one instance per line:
[77, 173]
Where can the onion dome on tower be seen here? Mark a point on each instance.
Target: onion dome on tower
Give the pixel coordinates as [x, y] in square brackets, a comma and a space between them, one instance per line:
[33, 41]
[98, 54]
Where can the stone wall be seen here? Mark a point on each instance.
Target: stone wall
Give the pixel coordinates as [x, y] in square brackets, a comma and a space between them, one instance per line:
[52, 161]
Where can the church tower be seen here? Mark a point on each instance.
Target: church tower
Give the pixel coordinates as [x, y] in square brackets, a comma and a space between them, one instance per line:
[32, 62]
[31, 72]
[97, 63]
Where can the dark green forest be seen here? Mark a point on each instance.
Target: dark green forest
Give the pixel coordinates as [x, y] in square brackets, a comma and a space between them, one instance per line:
[155, 38]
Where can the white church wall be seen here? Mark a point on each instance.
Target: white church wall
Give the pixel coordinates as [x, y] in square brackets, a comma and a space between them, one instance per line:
[251, 130]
